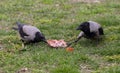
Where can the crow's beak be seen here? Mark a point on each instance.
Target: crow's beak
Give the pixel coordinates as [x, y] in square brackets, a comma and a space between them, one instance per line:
[79, 28]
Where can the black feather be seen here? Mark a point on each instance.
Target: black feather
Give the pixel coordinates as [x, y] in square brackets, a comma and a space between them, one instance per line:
[101, 31]
[39, 37]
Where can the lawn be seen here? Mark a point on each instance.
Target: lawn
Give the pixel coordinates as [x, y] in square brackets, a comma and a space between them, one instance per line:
[58, 19]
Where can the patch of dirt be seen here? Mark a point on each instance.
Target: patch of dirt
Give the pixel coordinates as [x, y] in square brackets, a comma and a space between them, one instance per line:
[102, 63]
[1, 47]
[84, 68]
[4, 28]
[85, 1]
[0, 27]
[24, 70]
[1, 71]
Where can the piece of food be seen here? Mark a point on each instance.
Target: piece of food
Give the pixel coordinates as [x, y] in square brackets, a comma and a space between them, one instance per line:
[69, 49]
[57, 43]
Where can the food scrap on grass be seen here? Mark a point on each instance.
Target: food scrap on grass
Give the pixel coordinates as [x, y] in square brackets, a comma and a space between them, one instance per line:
[57, 43]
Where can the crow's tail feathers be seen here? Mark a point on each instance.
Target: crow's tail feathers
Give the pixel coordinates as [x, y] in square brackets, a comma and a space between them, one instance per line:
[19, 24]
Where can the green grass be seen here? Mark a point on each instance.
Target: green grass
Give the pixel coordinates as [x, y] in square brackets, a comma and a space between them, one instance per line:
[57, 19]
